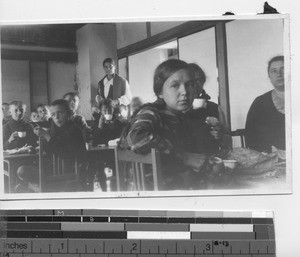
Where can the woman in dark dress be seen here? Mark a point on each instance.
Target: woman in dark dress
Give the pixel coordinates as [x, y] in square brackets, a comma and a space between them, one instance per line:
[265, 125]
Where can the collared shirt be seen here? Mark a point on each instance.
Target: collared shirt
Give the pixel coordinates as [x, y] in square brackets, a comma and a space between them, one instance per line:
[124, 99]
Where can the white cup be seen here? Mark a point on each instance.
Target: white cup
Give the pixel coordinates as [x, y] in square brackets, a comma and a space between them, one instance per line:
[231, 164]
[108, 116]
[22, 134]
[199, 103]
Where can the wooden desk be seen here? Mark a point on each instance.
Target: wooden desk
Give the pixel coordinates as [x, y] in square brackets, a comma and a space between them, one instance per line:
[13, 162]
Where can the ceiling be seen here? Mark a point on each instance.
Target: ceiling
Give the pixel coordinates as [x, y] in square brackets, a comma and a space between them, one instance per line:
[53, 35]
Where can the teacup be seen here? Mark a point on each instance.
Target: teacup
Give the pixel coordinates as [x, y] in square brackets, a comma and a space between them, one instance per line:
[108, 116]
[21, 133]
[199, 103]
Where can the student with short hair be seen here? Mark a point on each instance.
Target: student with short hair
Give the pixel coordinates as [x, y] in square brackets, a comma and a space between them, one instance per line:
[78, 119]
[43, 112]
[34, 116]
[6, 114]
[110, 124]
[11, 138]
[64, 138]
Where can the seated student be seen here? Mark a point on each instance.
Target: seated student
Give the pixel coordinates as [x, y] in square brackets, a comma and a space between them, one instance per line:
[165, 125]
[203, 112]
[5, 113]
[78, 119]
[43, 112]
[110, 125]
[34, 117]
[64, 138]
[11, 138]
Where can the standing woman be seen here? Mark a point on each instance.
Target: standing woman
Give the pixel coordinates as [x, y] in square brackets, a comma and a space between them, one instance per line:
[265, 125]
[164, 125]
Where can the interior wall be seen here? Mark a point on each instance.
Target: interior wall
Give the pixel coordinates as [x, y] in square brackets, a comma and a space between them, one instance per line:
[16, 82]
[39, 83]
[251, 44]
[62, 79]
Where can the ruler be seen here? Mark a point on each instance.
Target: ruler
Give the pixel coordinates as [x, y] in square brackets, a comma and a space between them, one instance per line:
[135, 233]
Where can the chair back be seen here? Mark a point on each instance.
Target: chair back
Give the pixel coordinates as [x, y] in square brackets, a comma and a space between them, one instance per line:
[240, 133]
[54, 169]
[137, 166]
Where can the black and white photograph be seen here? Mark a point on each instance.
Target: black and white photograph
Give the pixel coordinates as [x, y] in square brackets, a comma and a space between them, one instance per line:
[146, 108]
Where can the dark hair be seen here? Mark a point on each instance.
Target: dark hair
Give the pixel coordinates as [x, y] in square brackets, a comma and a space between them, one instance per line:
[72, 94]
[17, 103]
[108, 60]
[105, 102]
[64, 103]
[5, 104]
[41, 105]
[164, 71]
[196, 68]
[275, 59]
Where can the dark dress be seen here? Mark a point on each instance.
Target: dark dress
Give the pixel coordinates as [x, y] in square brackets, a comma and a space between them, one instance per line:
[265, 126]
[12, 126]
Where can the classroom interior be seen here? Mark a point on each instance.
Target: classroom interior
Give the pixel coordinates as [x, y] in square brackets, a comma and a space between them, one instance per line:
[40, 63]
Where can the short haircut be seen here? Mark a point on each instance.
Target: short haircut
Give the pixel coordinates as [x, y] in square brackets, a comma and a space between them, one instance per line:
[72, 94]
[41, 106]
[275, 59]
[64, 103]
[18, 103]
[109, 60]
[196, 68]
[105, 102]
[6, 104]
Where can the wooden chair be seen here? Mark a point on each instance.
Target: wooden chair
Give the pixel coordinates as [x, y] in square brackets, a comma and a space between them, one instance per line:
[52, 169]
[136, 164]
[240, 133]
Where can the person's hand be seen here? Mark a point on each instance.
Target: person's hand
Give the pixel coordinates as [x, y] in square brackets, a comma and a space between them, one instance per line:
[13, 136]
[115, 103]
[40, 132]
[98, 99]
[195, 161]
[217, 132]
[101, 122]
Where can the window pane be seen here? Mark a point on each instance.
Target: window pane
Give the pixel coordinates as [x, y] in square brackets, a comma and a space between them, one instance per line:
[200, 48]
[142, 67]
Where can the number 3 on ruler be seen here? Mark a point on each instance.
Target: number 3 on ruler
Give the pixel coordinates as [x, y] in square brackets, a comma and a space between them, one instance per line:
[207, 247]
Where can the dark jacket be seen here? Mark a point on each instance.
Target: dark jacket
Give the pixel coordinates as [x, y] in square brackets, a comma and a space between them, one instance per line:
[265, 126]
[116, 91]
[12, 126]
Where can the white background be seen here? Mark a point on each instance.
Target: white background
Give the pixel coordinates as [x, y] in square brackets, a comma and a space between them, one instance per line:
[286, 207]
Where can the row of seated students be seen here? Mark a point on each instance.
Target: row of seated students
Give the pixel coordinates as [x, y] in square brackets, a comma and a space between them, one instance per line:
[64, 132]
